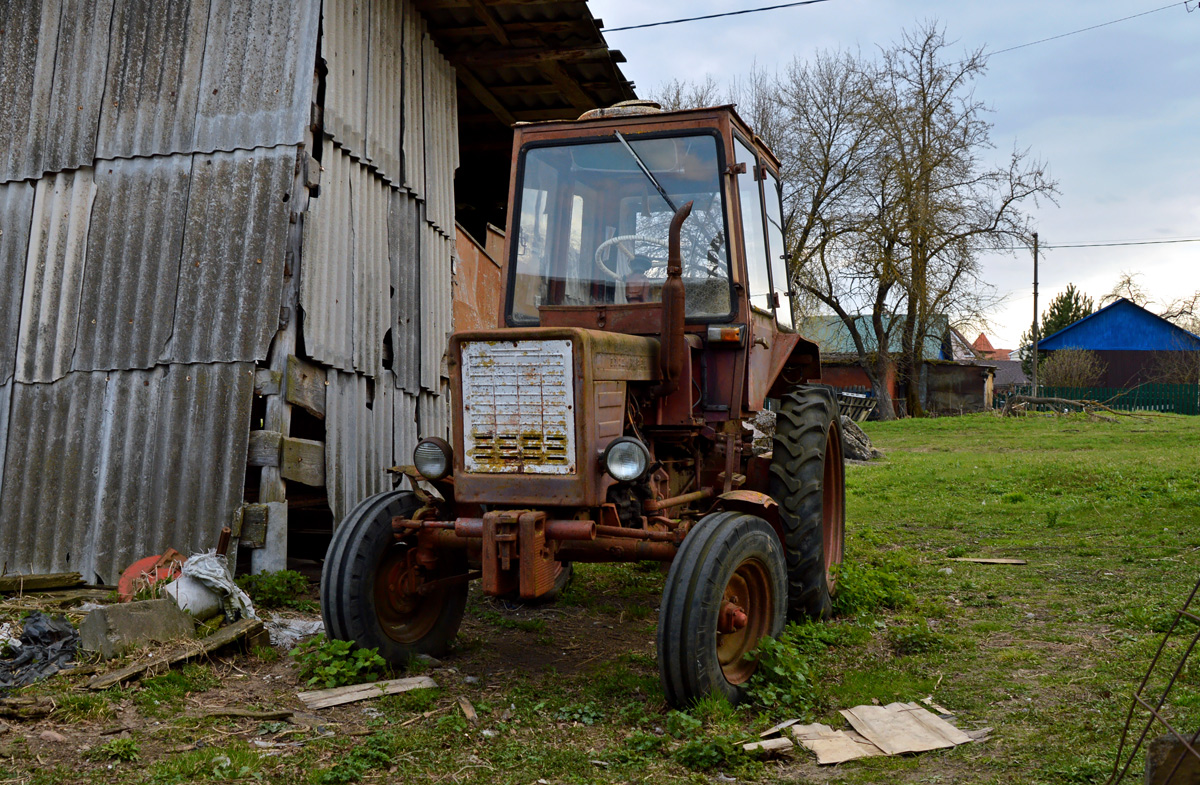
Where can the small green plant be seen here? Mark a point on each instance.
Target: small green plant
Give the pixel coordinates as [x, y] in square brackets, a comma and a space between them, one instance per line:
[918, 639]
[266, 653]
[784, 676]
[76, 707]
[333, 663]
[863, 588]
[374, 754]
[704, 754]
[124, 750]
[282, 589]
[640, 745]
[161, 694]
[587, 714]
[682, 725]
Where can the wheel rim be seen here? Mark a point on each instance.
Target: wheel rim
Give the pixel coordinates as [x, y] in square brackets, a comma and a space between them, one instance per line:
[404, 616]
[748, 591]
[833, 517]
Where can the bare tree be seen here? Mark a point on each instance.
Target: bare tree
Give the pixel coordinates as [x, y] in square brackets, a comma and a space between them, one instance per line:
[682, 94]
[1071, 368]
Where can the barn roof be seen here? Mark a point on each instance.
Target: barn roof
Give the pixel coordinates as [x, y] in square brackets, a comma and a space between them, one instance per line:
[1122, 325]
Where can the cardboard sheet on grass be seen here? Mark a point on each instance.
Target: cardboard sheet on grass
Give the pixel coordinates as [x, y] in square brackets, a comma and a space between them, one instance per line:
[880, 730]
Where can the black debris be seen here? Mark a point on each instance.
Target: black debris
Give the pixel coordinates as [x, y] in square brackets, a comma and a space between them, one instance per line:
[47, 645]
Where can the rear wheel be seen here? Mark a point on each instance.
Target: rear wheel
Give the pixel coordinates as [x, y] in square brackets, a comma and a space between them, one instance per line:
[371, 585]
[727, 589]
[808, 482]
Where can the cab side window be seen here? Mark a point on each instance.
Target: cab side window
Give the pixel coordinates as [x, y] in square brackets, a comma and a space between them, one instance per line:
[749, 195]
[777, 252]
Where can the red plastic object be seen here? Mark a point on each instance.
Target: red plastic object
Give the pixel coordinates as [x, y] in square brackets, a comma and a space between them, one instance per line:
[149, 571]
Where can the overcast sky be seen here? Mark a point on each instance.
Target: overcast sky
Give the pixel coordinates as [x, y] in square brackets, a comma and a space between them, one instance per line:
[1113, 111]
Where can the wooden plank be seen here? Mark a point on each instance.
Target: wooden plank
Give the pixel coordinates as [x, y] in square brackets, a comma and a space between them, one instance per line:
[254, 526]
[303, 461]
[988, 561]
[306, 386]
[26, 708]
[484, 96]
[323, 699]
[778, 744]
[267, 382]
[27, 583]
[567, 84]
[222, 637]
[249, 714]
[265, 447]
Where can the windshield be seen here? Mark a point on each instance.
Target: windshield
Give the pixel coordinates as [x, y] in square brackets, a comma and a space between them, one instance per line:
[592, 226]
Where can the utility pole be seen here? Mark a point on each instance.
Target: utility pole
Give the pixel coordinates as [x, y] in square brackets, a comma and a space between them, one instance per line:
[1035, 314]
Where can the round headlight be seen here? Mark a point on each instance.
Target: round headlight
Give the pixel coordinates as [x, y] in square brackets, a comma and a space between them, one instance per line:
[626, 459]
[433, 458]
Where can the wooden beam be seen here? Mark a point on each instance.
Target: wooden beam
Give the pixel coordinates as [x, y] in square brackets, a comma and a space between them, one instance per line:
[265, 447]
[303, 461]
[245, 628]
[554, 71]
[530, 55]
[576, 26]
[45, 582]
[493, 25]
[306, 386]
[484, 96]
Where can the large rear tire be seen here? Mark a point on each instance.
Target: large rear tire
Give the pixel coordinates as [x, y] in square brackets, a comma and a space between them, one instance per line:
[362, 585]
[808, 482]
[726, 590]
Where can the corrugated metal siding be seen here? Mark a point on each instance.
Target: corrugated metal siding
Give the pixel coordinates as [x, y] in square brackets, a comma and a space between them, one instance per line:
[344, 48]
[103, 468]
[414, 103]
[404, 232]
[79, 67]
[326, 268]
[5, 400]
[436, 306]
[231, 277]
[16, 213]
[62, 210]
[404, 427]
[358, 438]
[257, 74]
[25, 83]
[441, 137]
[131, 275]
[385, 86]
[370, 197]
[433, 412]
[154, 64]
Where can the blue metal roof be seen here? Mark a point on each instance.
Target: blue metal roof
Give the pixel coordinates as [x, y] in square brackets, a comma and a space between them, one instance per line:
[1122, 325]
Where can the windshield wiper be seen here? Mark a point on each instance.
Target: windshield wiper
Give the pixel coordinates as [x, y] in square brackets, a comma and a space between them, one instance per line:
[646, 171]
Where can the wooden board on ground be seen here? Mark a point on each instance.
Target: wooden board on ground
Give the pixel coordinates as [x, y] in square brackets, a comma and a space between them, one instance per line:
[323, 699]
[903, 727]
[989, 561]
[28, 583]
[246, 628]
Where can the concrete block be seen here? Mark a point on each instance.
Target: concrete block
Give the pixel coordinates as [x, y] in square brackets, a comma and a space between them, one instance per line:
[115, 629]
[1168, 761]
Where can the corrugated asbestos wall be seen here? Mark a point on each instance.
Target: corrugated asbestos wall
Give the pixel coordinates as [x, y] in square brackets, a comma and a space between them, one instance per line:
[153, 212]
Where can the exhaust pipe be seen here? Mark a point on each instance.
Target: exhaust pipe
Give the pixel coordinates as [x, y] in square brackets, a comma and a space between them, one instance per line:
[671, 339]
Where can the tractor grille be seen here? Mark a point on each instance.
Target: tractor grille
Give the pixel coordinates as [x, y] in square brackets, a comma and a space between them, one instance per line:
[518, 407]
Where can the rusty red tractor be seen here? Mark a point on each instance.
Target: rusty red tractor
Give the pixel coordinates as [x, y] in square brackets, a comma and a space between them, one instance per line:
[646, 317]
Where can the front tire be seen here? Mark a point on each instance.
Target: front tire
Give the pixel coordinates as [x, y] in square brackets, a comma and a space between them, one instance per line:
[729, 564]
[808, 482]
[362, 585]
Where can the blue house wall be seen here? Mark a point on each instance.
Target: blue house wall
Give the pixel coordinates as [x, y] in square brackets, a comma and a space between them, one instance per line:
[1122, 326]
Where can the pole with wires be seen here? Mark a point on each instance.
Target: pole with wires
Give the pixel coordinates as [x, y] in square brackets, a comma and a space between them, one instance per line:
[1035, 314]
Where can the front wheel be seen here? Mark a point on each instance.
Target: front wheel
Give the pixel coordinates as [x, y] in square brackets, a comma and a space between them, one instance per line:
[371, 585]
[727, 589]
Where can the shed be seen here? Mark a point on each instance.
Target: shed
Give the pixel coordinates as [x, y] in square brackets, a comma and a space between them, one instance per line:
[1135, 345]
[227, 235]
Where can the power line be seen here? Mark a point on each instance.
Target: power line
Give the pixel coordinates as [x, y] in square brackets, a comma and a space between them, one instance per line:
[1083, 30]
[1114, 244]
[711, 16]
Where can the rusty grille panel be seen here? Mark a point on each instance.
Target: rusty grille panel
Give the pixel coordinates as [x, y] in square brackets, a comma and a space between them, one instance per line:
[519, 407]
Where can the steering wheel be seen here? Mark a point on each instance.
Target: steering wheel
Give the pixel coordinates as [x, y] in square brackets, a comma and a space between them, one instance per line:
[619, 240]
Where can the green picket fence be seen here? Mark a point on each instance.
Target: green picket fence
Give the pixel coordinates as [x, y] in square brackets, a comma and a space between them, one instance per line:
[1176, 398]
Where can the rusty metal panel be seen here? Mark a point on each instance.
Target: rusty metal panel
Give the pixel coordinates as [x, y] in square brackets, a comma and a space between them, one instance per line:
[385, 86]
[153, 81]
[518, 407]
[62, 211]
[370, 198]
[404, 427]
[358, 438]
[415, 31]
[404, 244]
[256, 83]
[105, 467]
[433, 415]
[16, 213]
[344, 42]
[326, 271]
[235, 240]
[131, 275]
[436, 305]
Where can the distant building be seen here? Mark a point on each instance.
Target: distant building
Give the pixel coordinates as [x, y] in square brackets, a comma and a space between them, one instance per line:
[984, 347]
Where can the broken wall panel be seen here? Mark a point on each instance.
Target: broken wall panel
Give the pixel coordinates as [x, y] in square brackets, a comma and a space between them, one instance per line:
[433, 414]
[231, 275]
[385, 89]
[326, 269]
[152, 459]
[404, 427]
[131, 275]
[256, 84]
[54, 266]
[344, 42]
[16, 214]
[436, 306]
[153, 77]
[404, 244]
[358, 438]
[370, 197]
